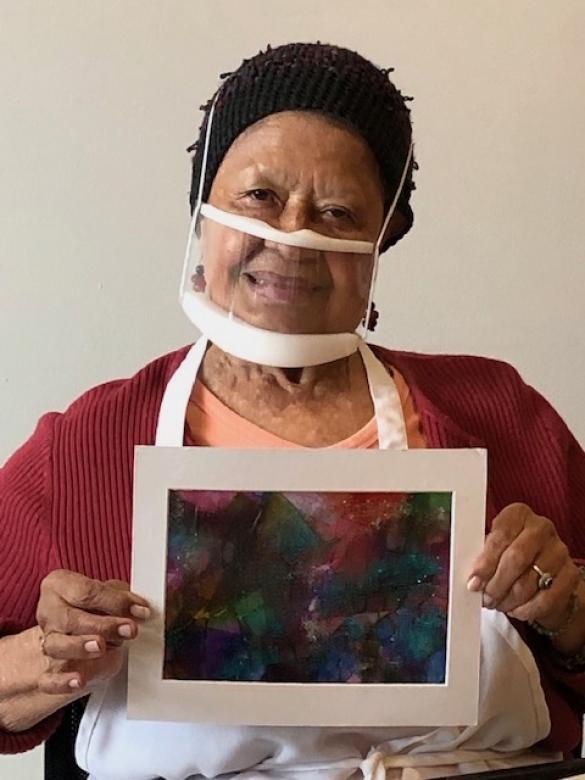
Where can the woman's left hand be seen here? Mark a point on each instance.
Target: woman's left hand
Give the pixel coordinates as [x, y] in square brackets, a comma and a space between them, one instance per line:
[520, 539]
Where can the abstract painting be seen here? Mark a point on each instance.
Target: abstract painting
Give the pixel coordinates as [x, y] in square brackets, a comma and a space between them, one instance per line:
[307, 587]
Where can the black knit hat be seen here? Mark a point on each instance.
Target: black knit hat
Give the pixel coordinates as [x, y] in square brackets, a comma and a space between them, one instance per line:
[315, 77]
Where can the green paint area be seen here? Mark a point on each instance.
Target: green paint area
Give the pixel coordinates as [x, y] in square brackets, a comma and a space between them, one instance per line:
[252, 611]
[284, 529]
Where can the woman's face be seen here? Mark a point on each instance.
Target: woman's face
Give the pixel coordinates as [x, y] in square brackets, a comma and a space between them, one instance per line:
[294, 170]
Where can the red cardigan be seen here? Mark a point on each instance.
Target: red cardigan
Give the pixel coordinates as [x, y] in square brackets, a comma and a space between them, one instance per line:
[65, 495]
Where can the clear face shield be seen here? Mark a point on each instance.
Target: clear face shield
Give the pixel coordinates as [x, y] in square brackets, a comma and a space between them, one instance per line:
[281, 298]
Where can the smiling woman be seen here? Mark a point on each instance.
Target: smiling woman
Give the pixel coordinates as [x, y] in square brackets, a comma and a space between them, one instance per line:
[301, 179]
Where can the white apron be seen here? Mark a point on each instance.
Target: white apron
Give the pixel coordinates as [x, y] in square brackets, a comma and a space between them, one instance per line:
[513, 714]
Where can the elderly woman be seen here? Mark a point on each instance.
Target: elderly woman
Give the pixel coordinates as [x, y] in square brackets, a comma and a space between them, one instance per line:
[302, 175]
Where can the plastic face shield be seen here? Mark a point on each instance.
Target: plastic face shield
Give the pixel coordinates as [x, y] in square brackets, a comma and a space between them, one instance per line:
[245, 272]
[288, 299]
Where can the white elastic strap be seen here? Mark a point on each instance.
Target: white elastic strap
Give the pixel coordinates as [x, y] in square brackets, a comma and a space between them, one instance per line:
[170, 428]
[304, 239]
[385, 224]
[386, 400]
[197, 208]
[394, 203]
[206, 151]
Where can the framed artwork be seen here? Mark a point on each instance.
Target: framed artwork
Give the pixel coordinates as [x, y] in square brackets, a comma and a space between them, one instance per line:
[307, 587]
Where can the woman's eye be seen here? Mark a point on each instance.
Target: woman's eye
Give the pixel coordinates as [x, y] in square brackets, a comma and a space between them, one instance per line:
[337, 213]
[259, 195]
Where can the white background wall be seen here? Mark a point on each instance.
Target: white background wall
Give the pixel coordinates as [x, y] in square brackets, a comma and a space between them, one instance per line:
[99, 101]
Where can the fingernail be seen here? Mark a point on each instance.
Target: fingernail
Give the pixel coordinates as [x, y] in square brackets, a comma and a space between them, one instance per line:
[474, 584]
[140, 612]
[125, 631]
[92, 646]
[74, 683]
[488, 601]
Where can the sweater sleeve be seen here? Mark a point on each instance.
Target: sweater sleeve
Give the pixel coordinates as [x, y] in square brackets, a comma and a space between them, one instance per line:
[566, 462]
[570, 466]
[26, 554]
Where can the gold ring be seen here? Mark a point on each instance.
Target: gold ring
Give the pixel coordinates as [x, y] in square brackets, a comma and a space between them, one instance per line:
[545, 578]
[44, 638]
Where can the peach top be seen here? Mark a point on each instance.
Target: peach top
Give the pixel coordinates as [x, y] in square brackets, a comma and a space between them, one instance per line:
[210, 423]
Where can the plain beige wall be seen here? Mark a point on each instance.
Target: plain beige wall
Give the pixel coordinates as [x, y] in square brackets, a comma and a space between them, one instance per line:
[99, 101]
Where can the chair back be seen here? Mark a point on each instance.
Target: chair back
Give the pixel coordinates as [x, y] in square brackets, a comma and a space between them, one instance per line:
[60, 761]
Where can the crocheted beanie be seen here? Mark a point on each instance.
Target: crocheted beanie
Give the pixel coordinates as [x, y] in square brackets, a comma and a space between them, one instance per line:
[316, 77]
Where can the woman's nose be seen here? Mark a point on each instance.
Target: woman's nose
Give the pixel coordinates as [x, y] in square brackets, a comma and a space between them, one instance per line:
[294, 216]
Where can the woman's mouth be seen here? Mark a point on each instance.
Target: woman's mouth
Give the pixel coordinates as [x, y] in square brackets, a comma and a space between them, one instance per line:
[277, 288]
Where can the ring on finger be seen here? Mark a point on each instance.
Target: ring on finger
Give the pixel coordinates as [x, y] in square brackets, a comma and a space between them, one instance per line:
[545, 578]
[44, 638]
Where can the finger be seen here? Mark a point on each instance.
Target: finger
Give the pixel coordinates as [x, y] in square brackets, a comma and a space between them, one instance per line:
[69, 620]
[140, 609]
[536, 542]
[93, 595]
[60, 682]
[505, 528]
[551, 604]
[73, 648]
[102, 597]
[111, 643]
[118, 584]
[526, 586]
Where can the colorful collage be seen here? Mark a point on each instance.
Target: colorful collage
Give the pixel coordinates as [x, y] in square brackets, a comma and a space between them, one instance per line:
[305, 587]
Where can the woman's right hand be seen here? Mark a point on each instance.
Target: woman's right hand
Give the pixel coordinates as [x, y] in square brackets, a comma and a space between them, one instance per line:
[84, 625]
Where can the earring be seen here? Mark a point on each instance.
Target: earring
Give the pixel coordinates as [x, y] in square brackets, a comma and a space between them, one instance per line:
[373, 317]
[198, 279]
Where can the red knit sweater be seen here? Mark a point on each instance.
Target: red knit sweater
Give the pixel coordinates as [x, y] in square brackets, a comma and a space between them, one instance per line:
[65, 496]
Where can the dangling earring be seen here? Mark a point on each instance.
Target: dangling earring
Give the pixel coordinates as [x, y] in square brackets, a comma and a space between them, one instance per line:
[198, 279]
[373, 317]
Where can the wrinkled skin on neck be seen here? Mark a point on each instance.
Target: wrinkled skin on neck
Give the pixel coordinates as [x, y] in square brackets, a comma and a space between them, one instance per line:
[314, 407]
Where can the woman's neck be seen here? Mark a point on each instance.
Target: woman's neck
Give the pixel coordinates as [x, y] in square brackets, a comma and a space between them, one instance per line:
[219, 368]
[314, 406]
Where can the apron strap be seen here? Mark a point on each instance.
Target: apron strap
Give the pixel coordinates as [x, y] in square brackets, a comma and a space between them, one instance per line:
[386, 400]
[170, 429]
